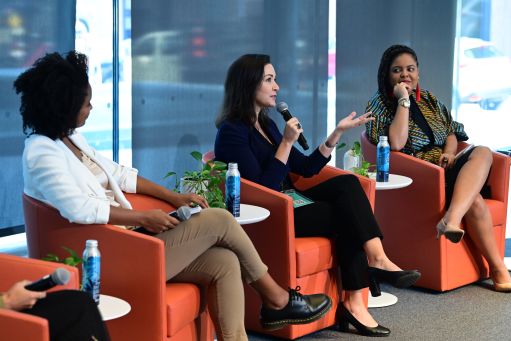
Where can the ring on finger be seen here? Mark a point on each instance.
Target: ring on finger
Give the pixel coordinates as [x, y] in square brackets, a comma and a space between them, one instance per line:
[298, 125]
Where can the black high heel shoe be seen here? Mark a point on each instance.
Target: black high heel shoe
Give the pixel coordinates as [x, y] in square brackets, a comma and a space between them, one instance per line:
[398, 279]
[347, 318]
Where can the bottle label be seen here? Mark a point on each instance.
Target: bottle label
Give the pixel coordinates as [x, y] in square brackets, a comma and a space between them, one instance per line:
[382, 163]
[91, 277]
[232, 194]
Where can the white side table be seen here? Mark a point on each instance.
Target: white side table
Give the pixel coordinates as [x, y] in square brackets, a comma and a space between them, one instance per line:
[112, 307]
[250, 214]
[395, 181]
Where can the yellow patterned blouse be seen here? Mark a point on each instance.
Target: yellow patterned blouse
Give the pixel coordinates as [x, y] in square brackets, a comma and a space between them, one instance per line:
[418, 144]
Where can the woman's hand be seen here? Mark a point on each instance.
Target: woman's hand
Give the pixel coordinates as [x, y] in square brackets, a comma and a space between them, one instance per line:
[19, 298]
[402, 90]
[158, 221]
[188, 199]
[350, 121]
[292, 130]
[446, 160]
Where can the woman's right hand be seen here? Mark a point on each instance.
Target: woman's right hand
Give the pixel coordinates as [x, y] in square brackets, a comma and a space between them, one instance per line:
[19, 298]
[158, 221]
[401, 90]
[292, 130]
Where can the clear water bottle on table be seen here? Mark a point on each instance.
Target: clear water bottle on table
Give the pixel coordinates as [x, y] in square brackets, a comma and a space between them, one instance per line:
[382, 160]
[232, 189]
[91, 269]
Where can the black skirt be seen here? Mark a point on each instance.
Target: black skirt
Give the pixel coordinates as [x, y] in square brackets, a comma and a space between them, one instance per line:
[451, 174]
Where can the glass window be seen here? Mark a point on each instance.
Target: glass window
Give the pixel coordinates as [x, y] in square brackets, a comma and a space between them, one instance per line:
[482, 90]
[178, 88]
[28, 29]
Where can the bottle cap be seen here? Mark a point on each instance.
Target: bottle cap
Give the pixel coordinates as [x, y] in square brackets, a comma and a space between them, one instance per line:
[91, 243]
[383, 138]
[233, 165]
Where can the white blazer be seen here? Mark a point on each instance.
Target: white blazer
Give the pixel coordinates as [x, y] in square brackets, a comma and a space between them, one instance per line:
[54, 175]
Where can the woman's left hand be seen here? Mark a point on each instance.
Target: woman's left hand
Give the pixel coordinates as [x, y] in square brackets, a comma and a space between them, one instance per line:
[446, 160]
[351, 122]
[187, 199]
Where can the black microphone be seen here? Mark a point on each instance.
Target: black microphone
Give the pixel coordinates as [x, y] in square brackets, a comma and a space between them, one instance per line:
[59, 277]
[283, 109]
[183, 213]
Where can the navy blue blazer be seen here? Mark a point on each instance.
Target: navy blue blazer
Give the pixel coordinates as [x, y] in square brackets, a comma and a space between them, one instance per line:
[241, 143]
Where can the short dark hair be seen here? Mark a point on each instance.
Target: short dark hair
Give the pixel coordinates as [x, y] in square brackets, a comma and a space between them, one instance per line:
[387, 58]
[243, 79]
[52, 93]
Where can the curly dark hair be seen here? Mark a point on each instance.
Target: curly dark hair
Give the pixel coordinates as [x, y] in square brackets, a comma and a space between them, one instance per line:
[52, 92]
[243, 78]
[387, 58]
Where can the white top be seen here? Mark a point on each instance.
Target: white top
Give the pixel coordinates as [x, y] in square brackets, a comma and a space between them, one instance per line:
[112, 307]
[395, 181]
[54, 175]
[250, 214]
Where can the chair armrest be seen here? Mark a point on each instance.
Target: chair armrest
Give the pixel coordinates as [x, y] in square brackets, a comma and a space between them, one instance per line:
[274, 238]
[427, 177]
[328, 172]
[15, 269]
[20, 326]
[499, 177]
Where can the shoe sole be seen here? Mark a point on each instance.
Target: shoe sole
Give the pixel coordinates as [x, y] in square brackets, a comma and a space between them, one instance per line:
[407, 281]
[282, 323]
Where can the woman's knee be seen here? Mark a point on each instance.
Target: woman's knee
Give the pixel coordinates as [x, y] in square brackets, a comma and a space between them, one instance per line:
[347, 180]
[478, 209]
[484, 154]
[225, 263]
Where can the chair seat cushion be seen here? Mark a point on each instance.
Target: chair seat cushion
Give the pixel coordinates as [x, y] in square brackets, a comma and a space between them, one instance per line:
[313, 254]
[183, 305]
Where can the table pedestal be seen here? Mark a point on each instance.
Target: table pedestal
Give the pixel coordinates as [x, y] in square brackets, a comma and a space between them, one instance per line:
[384, 300]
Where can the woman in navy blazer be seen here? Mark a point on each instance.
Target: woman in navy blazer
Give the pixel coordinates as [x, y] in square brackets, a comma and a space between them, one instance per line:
[340, 209]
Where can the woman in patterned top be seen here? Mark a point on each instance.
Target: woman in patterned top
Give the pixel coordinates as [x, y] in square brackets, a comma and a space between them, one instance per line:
[418, 124]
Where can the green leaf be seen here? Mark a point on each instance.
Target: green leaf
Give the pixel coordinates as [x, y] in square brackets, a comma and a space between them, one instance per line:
[356, 148]
[341, 145]
[169, 174]
[196, 155]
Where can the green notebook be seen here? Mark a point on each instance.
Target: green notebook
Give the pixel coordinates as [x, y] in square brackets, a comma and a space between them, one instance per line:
[298, 199]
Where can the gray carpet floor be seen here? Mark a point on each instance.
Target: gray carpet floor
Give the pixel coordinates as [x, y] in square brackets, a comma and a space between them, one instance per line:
[473, 312]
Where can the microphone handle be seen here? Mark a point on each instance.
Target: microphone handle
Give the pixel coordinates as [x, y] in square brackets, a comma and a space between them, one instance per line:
[301, 139]
[43, 284]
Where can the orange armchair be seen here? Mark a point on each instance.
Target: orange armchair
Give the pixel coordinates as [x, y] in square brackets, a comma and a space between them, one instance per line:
[132, 268]
[304, 262]
[15, 325]
[408, 217]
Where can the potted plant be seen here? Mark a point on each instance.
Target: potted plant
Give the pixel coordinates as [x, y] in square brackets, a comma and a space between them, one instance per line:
[205, 181]
[73, 259]
[354, 160]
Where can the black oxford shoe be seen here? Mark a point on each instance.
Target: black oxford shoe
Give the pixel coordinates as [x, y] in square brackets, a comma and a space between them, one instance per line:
[301, 309]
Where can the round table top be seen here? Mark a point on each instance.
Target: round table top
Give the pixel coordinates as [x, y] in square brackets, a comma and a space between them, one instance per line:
[395, 181]
[112, 307]
[250, 214]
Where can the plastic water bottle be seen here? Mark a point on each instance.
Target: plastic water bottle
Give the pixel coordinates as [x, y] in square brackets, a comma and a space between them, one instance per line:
[91, 269]
[382, 160]
[232, 189]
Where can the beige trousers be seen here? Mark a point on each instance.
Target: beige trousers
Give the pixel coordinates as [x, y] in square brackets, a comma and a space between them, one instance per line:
[213, 251]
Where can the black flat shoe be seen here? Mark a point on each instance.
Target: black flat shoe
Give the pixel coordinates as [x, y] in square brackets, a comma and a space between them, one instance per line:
[346, 319]
[398, 279]
[301, 309]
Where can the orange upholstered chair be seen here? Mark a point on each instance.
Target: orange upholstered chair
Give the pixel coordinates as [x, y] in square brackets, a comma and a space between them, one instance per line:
[132, 268]
[20, 326]
[304, 262]
[408, 218]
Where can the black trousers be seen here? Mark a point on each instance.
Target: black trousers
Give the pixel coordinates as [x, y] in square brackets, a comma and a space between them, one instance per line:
[72, 316]
[341, 211]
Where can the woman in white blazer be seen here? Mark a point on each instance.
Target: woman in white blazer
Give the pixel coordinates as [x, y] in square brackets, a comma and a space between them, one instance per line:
[209, 249]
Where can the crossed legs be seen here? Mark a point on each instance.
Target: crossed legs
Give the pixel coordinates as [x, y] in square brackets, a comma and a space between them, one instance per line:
[468, 203]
